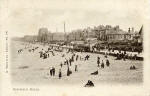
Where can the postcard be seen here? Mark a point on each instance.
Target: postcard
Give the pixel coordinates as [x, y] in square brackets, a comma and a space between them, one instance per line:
[75, 48]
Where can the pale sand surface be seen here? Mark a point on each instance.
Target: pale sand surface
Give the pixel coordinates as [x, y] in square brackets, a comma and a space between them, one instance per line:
[36, 70]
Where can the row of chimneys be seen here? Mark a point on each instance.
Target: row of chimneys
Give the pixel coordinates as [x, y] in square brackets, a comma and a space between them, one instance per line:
[131, 29]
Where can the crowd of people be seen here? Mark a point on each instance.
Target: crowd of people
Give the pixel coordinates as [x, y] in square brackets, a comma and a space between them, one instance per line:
[119, 54]
[70, 62]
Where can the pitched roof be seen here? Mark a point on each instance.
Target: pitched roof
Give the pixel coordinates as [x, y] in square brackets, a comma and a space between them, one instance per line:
[141, 30]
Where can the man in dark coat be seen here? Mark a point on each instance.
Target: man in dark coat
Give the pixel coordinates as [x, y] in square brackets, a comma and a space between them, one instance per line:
[70, 61]
[76, 68]
[45, 56]
[51, 71]
[98, 61]
[41, 54]
[107, 63]
[72, 58]
[68, 72]
[61, 64]
[77, 57]
[60, 74]
[102, 65]
[67, 62]
[48, 54]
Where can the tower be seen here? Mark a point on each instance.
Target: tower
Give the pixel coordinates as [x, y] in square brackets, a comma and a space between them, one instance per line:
[64, 31]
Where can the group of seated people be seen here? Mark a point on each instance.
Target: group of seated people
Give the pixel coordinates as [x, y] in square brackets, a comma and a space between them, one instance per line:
[132, 67]
[89, 84]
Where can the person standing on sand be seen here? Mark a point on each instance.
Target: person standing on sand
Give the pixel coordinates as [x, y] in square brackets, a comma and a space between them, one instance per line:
[41, 54]
[53, 71]
[60, 75]
[77, 57]
[102, 65]
[68, 72]
[61, 64]
[67, 62]
[107, 63]
[50, 71]
[76, 68]
[72, 58]
[98, 61]
[70, 61]
[47, 54]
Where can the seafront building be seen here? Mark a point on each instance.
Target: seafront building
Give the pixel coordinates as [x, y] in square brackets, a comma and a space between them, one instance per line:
[101, 33]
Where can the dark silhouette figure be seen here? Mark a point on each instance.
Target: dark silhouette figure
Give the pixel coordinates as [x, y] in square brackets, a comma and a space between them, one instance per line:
[70, 61]
[53, 71]
[107, 63]
[132, 67]
[61, 65]
[48, 54]
[76, 68]
[60, 75]
[41, 54]
[77, 57]
[45, 56]
[95, 73]
[98, 62]
[67, 62]
[102, 65]
[124, 57]
[68, 72]
[89, 84]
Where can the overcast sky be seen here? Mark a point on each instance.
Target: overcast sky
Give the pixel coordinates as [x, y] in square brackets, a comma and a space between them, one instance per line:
[25, 17]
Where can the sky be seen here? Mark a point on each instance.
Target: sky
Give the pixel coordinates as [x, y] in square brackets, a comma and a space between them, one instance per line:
[25, 17]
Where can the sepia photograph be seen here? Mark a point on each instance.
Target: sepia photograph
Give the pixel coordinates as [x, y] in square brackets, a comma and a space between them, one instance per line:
[83, 43]
[72, 46]
[103, 54]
